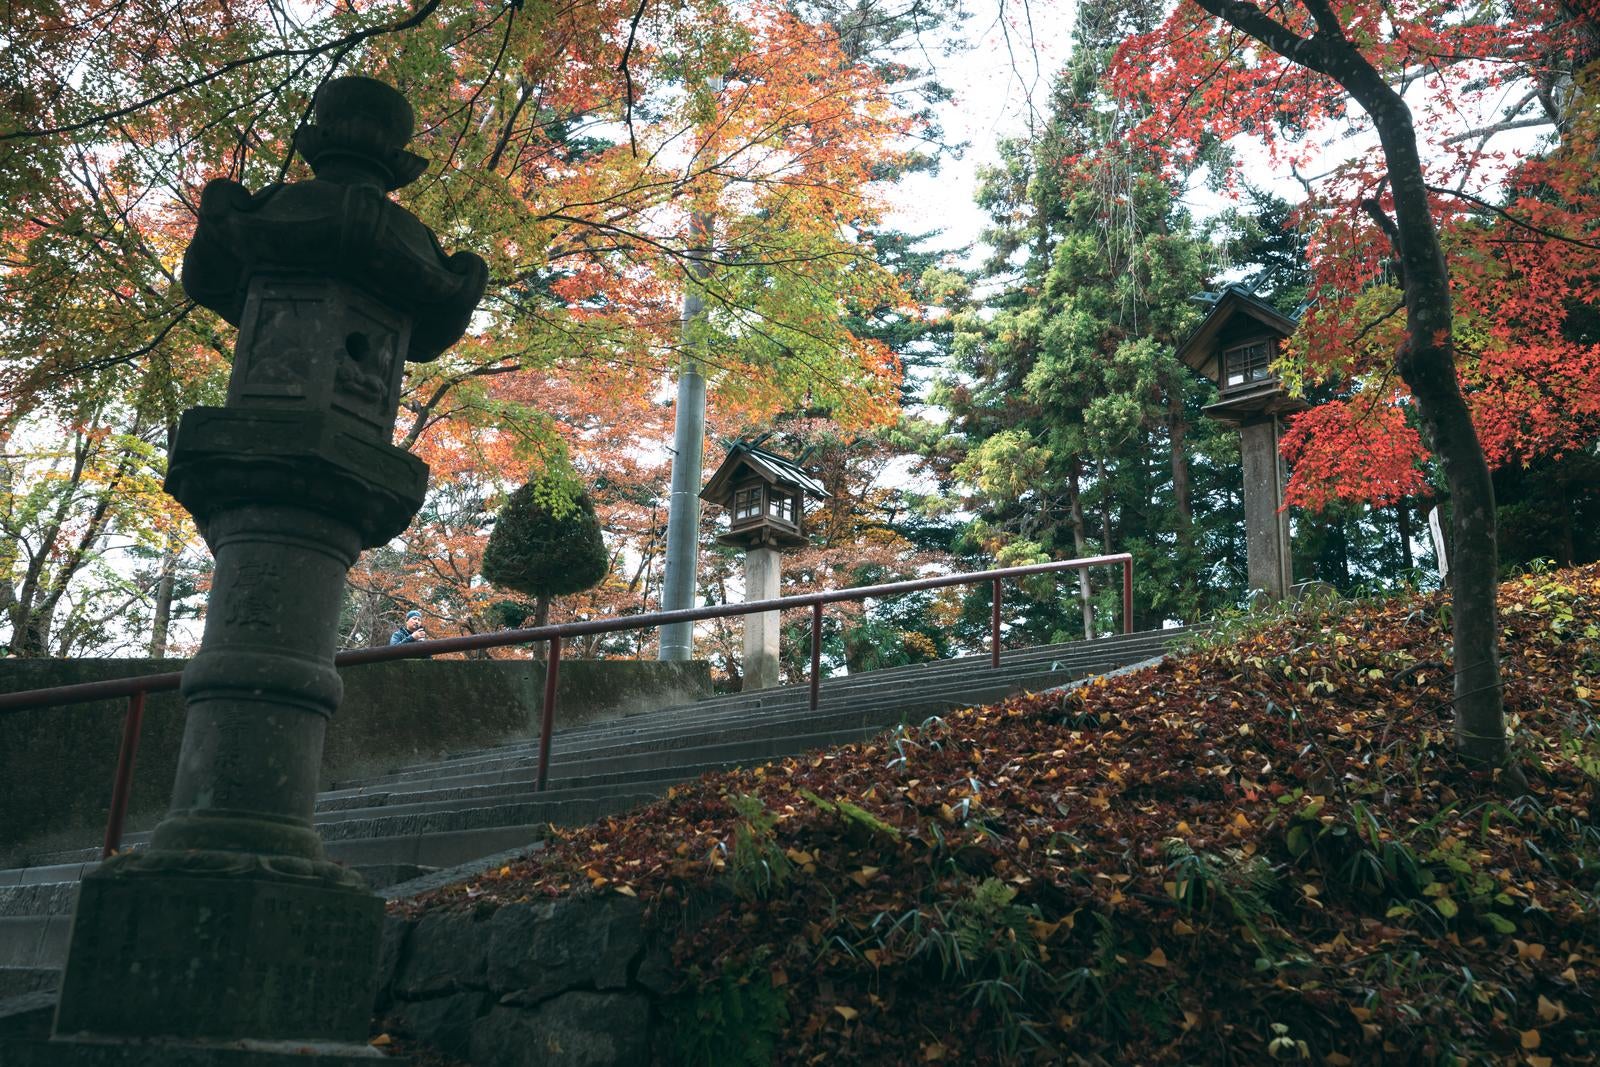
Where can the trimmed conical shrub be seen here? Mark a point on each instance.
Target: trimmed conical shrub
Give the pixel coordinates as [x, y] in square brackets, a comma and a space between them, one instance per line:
[540, 554]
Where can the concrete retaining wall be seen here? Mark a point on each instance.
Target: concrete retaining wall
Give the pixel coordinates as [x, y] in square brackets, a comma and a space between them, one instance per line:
[56, 764]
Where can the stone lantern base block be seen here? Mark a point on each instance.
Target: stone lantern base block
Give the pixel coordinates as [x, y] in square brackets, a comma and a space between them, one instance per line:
[258, 956]
[17, 1053]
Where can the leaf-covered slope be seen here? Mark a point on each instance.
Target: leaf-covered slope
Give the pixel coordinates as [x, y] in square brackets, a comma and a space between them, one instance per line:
[1263, 848]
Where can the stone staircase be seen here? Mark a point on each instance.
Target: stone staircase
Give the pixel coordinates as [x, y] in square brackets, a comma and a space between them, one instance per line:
[474, 805]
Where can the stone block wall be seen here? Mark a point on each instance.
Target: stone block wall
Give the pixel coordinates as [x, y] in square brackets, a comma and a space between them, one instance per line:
[569, 982]
[56, 764]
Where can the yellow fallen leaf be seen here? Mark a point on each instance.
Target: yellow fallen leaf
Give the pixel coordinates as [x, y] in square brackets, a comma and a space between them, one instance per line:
[504, 871]
[1530, 1039]
[780, 977]
[796, 855]
[1539, 1061]
[1527, 951]
[863, 876]
[933, 1053]
[1184, 827]
[627, 890]
[1550, 1010]
[1156, 958]
[1191, 1019]
[381, 1041]
[848, 1013]
[1583, 692]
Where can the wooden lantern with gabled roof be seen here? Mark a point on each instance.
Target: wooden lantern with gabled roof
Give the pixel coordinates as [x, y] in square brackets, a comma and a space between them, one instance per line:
[765, 496]
[1235, 346]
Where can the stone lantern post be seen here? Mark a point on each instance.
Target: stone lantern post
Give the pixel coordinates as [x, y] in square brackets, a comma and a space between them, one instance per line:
[765, 496]
[232, 931]
[1235, 346]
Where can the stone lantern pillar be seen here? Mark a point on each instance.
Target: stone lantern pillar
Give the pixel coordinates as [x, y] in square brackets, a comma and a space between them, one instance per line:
[765, 496]
[232, 930]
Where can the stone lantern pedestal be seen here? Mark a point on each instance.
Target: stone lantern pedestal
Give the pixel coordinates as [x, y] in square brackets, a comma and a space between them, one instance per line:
[762, 569]
[232, 939]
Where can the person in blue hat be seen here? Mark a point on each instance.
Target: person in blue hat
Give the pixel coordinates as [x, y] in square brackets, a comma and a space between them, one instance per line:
[411, 631]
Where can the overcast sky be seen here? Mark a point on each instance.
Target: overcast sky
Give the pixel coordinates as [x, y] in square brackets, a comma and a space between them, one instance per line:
[1012, 56]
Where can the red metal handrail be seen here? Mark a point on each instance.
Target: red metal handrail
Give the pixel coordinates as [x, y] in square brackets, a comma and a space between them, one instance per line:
[135, 688]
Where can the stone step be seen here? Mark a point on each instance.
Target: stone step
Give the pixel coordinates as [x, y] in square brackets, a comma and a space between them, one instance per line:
[731, 708]
[37, 898]
[562, 811]
[639, 758]
[620, 781]
[397, 832]
[695, 716]
[885, 709]
[639, 783]
[348, 848]
[650, 756]
[34, 941]
[669, 766]
[58, 870]
[16, 981]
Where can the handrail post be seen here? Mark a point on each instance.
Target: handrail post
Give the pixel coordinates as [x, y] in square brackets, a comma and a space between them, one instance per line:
[994, 627]
[1127, 596]
[552, 669]
[816, 652]
[122, 786]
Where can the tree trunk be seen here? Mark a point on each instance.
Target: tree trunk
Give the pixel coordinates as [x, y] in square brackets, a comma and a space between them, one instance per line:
[1427, 364]
[1426, 361]
[30, 636]
[1183, 505]
[1177, 436]
[164, 585]
[541, 617]
[1080, 547]
[1402, 511]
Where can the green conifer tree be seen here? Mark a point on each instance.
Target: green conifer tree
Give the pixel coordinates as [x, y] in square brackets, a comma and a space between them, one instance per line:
[545, 548]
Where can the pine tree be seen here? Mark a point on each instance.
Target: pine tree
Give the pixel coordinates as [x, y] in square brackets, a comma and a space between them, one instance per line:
[1077, 424]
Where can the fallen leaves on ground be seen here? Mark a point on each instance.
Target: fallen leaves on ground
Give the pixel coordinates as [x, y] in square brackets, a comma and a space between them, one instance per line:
[1262, 849]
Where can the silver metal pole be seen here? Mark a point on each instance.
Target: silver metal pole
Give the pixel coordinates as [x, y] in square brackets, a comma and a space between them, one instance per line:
[683, 509]
[682, 568]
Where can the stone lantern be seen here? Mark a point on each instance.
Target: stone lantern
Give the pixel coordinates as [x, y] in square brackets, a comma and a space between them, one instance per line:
[765, 497]
[1235, 346]
[232, 938]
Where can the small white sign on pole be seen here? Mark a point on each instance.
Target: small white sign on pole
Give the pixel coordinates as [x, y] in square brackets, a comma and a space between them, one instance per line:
[1437, 532]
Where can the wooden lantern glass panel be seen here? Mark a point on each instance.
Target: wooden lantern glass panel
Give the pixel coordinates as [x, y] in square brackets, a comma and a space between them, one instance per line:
[781, 507]
[1246, 364]
[747, 504]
